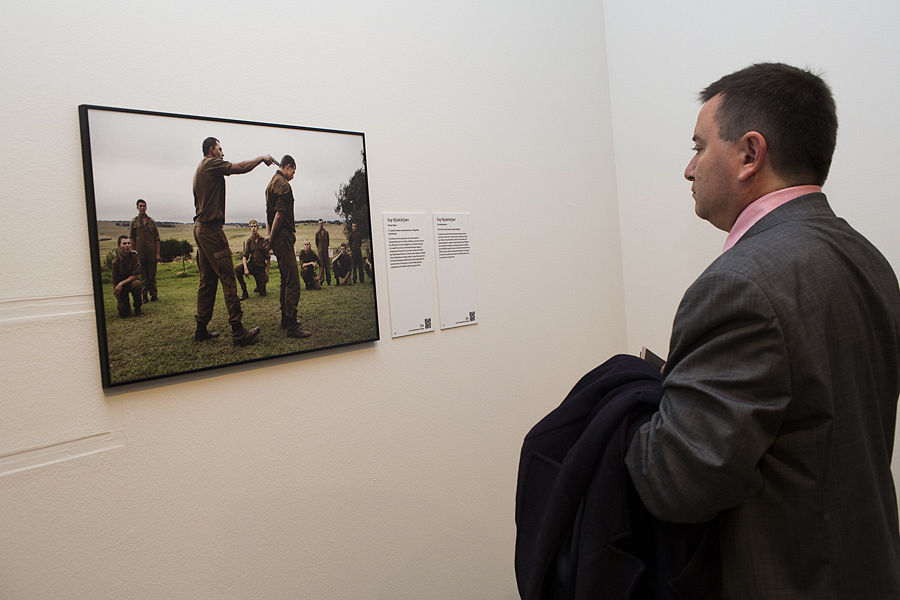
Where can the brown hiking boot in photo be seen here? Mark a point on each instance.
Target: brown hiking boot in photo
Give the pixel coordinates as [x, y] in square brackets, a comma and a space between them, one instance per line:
[296, 332]
[202, 334]
[246, 337]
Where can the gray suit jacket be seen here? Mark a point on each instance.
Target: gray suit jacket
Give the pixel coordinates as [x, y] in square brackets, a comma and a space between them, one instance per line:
[778, 411]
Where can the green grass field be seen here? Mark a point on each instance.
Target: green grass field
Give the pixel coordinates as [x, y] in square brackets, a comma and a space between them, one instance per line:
[161, 341]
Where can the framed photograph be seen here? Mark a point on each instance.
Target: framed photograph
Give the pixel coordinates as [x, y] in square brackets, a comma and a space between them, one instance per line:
[179, 204]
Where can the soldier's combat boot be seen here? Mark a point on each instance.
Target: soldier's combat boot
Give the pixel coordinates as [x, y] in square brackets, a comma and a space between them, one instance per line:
[294, 331]
[202, 333]
[244, 337]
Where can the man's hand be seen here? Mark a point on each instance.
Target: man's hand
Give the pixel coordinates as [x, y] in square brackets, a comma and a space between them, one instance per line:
[246, 271]
[118, 289]
[266, 243]
[268, 159]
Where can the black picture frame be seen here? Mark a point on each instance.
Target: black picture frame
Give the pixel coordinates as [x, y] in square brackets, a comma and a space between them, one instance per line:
[131, 154]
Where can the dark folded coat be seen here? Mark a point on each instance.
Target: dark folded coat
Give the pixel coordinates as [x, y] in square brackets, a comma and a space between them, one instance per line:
[582, 531]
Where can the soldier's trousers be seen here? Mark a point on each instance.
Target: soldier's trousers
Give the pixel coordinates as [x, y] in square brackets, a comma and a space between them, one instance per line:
[357, 266]
[134, 289]
[310, 278]
[148, 271]
[326, 265]
[340, 272]
[259, 274]
[214, 263]
[283, 248]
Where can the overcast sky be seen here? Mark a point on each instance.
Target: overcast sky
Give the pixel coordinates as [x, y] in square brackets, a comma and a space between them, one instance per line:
[154, 158]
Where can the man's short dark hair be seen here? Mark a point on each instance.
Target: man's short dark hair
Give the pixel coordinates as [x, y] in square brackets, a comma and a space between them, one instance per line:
[208, 143]
[792, 108]
[121, 237]
[288, 161]
[139, 200]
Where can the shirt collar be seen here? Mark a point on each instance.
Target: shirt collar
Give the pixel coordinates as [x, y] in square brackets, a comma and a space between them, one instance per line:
[762, 206]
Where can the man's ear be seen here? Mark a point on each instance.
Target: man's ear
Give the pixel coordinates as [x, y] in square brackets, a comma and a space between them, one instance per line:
[754, 153]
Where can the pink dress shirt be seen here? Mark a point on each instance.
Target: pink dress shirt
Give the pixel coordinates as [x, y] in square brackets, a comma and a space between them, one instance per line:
[762, 206]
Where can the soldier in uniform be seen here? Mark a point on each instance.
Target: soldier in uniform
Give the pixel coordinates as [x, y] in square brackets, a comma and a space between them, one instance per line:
[309, 261]
[322, 249]
[213, 251]
[254, 261]
[341, 264]
[370, 265]
[126, 278]
[280, 218]
[145, 239]
[355, 241]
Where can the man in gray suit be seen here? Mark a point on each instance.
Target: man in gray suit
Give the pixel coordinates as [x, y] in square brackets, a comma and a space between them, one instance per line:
[780, 392]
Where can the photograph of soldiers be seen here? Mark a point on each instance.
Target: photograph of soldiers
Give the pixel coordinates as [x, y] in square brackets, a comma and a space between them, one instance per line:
[207, 250]
[322, 248]
[355, 241]
[213, 252]
[309, 262]
[254, 261]
[126, 278]
[280, 221]
[145, 241]
[341, 264]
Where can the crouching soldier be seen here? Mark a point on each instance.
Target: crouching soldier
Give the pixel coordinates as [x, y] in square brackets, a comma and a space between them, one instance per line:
[309, 262]
[341, 265]
[126, 278]
[254, 261]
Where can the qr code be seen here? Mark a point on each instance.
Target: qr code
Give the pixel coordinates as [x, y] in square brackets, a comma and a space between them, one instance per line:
[428, 323]
[472, 316]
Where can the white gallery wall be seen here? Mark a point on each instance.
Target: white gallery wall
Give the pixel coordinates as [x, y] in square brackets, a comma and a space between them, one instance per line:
[662, 54]
[380, 471]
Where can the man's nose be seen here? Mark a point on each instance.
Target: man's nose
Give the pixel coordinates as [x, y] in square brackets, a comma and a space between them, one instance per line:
[689, 170]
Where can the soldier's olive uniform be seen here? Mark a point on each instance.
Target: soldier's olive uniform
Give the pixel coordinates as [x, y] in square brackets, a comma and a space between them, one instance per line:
[257, 257]
[342, 265]
[122, 269]
[280, 199]
[144, 237]
[322, 248]
[354, 240]
[213, 252]
[309, 273]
